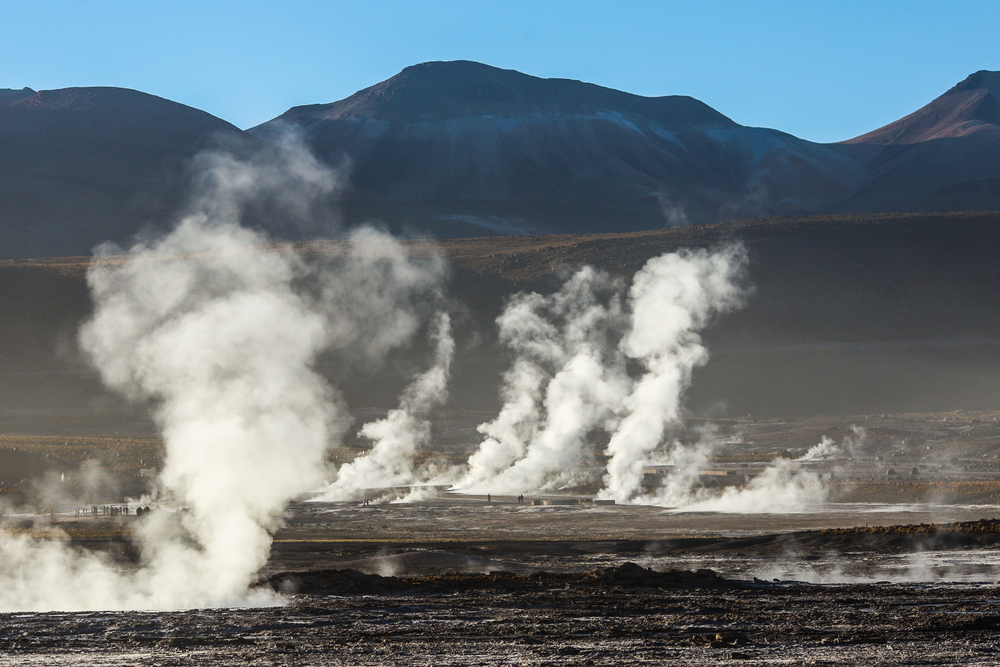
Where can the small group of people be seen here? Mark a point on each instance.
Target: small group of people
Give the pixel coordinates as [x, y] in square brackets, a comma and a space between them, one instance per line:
[365, 502]
[112, 510]
[520, 498]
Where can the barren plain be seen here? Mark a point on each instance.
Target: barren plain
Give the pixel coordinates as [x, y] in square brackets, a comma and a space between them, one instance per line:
[882, 326]
[898, 569]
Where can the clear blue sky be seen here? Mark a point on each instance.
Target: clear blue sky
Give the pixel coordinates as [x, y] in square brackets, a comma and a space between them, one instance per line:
[824, 71]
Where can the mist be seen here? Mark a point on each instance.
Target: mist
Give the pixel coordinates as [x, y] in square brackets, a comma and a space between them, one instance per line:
[570, 382]
[219, 333]
[397, 438]
[566, 380]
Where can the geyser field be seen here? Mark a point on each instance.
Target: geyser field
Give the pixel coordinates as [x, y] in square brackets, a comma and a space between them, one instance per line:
[376, 451]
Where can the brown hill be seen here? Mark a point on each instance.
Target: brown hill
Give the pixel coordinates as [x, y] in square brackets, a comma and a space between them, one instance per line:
[971, 107]
[460, 149]
[944, 156]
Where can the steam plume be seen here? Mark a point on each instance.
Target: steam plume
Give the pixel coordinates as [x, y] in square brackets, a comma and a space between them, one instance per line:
[565, 381]
[569, 380]
[671, 298]
[221, 336]
[397, 437]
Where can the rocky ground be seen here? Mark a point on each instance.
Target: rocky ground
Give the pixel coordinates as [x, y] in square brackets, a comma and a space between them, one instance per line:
[618, 616]
[459, 581]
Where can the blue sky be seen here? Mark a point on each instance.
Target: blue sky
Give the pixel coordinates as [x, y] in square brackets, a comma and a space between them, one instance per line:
[824, 71]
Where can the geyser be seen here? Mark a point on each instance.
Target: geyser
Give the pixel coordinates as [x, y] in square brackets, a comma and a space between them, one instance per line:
[569, 387]
[569, 378]
[220, 335]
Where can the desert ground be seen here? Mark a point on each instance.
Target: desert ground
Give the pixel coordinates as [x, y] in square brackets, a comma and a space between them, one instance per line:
[876, 334]
[897, 568]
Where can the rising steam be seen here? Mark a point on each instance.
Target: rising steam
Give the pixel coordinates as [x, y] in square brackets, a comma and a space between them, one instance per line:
[672, 298]
[221, 336]
[569, 379]
[397, 437]
[565, 381]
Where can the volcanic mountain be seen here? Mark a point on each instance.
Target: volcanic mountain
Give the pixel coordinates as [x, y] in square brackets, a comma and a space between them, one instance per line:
[463, 148]
[83, 165]
[942, 157]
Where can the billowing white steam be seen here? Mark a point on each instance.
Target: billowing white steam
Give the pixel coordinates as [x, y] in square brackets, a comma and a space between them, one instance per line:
[569, 377]
[397, 437]
[568, 385]
[671, 299]
[565, 381]
[827, 448]
[221, 336]
[782, 486]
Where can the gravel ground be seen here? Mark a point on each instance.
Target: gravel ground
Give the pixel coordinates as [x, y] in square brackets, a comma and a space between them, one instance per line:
[548, 620]
[476, 583]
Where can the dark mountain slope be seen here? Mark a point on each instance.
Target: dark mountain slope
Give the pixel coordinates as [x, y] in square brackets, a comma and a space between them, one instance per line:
[464, 149]
[850, 315]
[944, 156]
[82, 165]
[452, 146]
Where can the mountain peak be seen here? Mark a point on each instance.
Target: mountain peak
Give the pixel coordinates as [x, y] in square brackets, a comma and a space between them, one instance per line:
[984, 79]
[440, 91]
[970, 107]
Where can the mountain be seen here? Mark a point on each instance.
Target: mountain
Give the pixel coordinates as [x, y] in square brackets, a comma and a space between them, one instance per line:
[83, 165]
[971, 108]
[461, 148]
[942, 157]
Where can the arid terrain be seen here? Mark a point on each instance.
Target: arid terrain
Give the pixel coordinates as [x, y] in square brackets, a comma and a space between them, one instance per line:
[875, 335]
[462, 581]
[896, 569]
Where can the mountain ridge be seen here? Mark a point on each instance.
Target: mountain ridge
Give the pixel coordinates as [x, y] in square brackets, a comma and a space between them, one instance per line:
[450, 149]
[459, 89]
[448, 137]
[79, 166]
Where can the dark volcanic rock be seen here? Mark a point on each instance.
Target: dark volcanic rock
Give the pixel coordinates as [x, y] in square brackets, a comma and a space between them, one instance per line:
[630, 574]
[353, 582]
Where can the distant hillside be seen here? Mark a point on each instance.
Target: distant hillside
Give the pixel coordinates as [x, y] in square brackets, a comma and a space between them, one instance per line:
[849, 315]
[461, 148]
[83, 165]
[943, 157]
